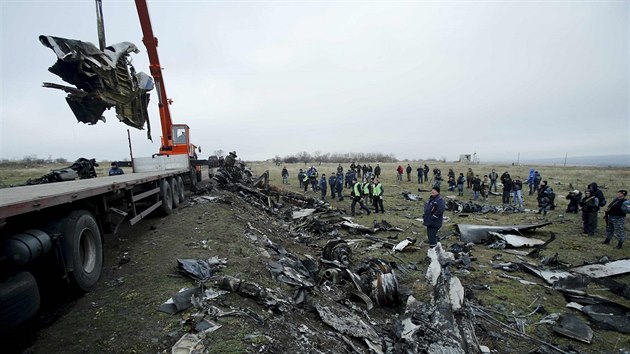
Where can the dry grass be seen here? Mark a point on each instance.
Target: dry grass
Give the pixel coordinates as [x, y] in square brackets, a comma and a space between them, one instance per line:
[508, 295]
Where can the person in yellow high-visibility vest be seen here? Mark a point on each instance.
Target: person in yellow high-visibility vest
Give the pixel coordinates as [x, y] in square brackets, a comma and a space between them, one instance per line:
[377, 196]
[367, 191]
[356, 197]
[305, 181]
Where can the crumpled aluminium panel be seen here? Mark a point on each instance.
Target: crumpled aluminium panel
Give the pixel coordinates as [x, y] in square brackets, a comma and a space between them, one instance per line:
[103, 79]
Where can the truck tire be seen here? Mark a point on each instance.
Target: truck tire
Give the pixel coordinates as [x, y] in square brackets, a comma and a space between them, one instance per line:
[83, 248]
[175, 190]
[180, 184]
[166, 195]
[19, 297]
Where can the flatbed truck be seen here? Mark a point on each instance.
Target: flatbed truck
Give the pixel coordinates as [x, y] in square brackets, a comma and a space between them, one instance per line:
[58, 229]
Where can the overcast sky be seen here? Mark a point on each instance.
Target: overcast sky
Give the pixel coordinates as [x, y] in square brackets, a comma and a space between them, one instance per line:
[419, 79]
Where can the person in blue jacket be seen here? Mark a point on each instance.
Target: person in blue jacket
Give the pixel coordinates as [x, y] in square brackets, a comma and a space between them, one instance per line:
[530, 181]
[115, 170]
[332, 181]
[433, 215]
[339, 185]
[322, 186]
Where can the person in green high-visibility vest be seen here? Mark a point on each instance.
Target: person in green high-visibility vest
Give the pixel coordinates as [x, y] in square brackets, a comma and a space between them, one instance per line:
[377, 196]
[356, 196]
[367, 191]
[305, 181]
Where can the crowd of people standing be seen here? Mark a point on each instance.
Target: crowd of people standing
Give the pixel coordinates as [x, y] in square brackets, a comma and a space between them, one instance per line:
[367, 191]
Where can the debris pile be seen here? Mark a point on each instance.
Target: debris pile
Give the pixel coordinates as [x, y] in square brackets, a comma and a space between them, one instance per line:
[332, 300]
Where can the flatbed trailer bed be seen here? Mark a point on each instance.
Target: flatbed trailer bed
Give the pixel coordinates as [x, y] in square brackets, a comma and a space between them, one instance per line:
[57, 230]
[20, 200]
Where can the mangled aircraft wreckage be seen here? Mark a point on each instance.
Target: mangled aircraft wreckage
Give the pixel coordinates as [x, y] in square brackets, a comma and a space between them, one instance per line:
[103, 79]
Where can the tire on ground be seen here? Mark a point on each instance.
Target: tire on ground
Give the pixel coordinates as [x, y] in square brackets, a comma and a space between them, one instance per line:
[180, 184]
[166, 196]
[175, 190]
[20, 301]
[83, 248]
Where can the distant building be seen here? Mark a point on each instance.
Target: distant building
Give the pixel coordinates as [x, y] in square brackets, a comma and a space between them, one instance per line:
[465, 157]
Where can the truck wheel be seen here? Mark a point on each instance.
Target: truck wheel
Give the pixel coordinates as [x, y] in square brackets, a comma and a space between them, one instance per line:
[19, 297]
[166, 195]
[180, 183]
[175, 190]
[83, 248]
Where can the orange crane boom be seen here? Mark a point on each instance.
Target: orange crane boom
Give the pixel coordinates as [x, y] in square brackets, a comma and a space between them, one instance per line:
[175, 137]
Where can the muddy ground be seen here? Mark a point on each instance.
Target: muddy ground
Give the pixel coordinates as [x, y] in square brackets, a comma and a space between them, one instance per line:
[121, 314]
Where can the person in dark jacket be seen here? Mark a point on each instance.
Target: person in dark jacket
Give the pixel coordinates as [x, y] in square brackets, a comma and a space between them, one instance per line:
[615, 217]
[300, 177]
[323, 185]
[408, 170]
[426, 172]
[574, 198]
[332, 182]
[420, 173]
[377, 171]
[433, 215]
[517, 194]
[537, 181]
[285, 175]
[451, 183]
[598, 193]
[340, 185]
[545, 198]
[476, 187]
[460, 184]
[115, 170]
[590, 206]
[377, 196]
[506, 179]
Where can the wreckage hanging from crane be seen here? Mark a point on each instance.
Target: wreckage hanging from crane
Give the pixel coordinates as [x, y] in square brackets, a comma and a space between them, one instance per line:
[102, 78]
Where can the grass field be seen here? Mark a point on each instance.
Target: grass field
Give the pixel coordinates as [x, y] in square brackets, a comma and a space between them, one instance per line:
[505, 297]
[571, 246]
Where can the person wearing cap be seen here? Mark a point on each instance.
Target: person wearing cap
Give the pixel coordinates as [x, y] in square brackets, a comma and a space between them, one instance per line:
[356, 196]
[615, 216]
[115, 170]
[433, 215]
